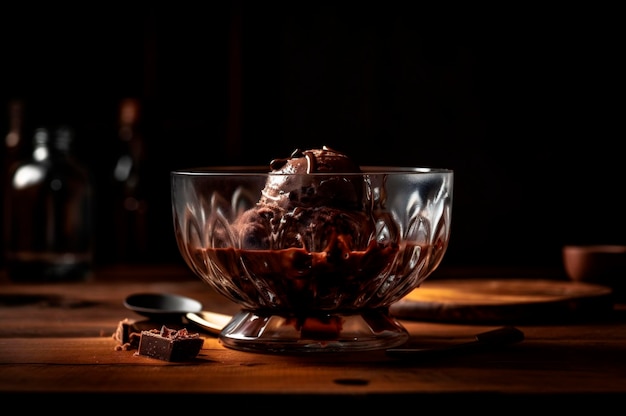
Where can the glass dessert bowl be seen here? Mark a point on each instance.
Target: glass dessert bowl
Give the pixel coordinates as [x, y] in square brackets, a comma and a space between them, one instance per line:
[314, 249]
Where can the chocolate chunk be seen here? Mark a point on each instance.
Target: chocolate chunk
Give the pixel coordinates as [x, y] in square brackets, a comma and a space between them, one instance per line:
[128, 333]
[170, 344]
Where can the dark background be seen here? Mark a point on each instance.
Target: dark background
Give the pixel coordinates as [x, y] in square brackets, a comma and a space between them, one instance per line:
[526, 105]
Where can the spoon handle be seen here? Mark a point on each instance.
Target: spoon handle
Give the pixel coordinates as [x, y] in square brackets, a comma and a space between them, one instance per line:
[212, 322]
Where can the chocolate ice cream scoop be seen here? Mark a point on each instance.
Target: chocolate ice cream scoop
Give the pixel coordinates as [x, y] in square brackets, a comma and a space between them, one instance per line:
[315, 161]
[309, 178]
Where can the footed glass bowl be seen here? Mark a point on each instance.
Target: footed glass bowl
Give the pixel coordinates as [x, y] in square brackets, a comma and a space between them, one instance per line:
[314, 260]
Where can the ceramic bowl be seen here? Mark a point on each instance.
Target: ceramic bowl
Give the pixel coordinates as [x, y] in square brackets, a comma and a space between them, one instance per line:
[603, 264]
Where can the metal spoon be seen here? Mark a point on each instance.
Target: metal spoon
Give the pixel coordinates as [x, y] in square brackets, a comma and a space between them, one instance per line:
[169, 307]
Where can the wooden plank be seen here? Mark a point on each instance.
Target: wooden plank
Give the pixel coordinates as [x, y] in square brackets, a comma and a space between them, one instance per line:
[57, 339]
[92, 365]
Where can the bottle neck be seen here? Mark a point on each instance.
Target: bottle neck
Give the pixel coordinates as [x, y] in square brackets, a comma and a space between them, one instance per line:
[128, 127]
[45, 145]
[41, 145]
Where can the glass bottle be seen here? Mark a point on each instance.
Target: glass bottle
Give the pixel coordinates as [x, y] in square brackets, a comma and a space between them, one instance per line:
[130, 208]
[13, 149]
[48, 213]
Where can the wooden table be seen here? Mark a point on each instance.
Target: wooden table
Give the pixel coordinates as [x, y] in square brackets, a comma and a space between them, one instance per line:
[56, 340]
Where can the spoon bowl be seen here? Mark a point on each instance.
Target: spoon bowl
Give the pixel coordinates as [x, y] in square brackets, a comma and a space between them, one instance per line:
[168, 307]
[162, 306]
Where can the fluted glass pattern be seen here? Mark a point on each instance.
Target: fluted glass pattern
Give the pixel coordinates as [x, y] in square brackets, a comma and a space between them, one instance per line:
[382, 234]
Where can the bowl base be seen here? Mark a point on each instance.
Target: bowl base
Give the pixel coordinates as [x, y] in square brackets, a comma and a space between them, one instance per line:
[258, 332]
